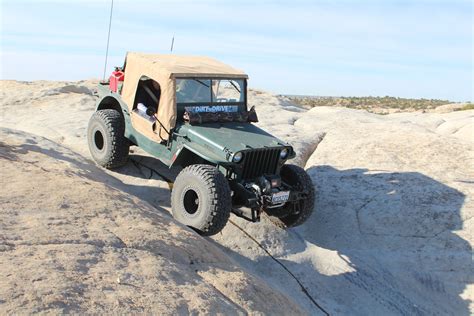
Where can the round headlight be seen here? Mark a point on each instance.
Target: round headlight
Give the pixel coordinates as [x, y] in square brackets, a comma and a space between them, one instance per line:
[237, 157]
[284, 153]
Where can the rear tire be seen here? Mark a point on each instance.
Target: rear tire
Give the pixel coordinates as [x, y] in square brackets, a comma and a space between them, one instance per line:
[107, 143]
[296, 213]
[201, 199]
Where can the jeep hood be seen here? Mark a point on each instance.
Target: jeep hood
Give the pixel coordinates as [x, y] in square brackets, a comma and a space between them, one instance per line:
[222, 139]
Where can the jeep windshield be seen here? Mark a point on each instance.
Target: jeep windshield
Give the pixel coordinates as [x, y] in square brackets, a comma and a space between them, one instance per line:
[201, 91]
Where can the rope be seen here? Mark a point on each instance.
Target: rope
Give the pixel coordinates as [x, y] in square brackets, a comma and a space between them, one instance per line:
[108, 37]
[305, 291]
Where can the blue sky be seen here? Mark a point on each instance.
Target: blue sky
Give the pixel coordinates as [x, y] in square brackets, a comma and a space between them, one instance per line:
[350, 48]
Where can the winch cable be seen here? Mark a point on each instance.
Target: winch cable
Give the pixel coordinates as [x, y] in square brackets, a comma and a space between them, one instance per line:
[139, 164]
[303, 288]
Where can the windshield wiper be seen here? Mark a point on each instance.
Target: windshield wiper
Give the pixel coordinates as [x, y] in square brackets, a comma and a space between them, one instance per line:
[233, 84]
[201, 83]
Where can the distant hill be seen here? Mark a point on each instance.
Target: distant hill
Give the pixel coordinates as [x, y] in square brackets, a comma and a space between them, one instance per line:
[379, 105]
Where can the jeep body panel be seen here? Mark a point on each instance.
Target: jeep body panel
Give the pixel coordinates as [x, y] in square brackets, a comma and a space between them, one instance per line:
[112, 100]
[167, 154]
[216, 143]
[226, 139]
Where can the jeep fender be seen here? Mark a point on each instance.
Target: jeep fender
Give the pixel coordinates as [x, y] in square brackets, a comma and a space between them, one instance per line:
[187, 154]
[110, 102]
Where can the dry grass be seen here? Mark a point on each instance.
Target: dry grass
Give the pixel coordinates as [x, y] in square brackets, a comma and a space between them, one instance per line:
[468, 106]
[371, 104]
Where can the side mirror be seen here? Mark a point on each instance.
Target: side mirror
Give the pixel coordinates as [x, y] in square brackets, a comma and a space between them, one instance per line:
[150, 111]
[252, 115]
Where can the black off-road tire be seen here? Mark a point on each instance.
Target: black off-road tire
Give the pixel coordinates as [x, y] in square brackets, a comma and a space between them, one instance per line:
[208, 187]
[107, 143]
[296, 213]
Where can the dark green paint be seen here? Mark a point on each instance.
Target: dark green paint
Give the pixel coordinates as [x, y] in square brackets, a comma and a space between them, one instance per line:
[214, 142]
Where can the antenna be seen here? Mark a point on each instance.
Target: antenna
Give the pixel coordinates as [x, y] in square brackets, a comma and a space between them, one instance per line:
[108, 38]
[172, 44]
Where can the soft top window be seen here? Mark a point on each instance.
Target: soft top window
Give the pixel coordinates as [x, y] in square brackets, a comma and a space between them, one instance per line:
[195, 90]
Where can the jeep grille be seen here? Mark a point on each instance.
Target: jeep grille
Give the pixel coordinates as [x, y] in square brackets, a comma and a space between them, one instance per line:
[259, 162]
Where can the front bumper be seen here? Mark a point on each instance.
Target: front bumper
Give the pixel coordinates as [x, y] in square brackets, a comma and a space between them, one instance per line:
[249, 196]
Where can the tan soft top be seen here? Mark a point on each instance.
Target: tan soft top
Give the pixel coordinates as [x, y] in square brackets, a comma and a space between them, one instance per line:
[164, 69]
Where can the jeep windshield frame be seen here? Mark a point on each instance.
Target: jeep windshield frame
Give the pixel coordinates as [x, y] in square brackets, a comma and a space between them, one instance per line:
[209, 83]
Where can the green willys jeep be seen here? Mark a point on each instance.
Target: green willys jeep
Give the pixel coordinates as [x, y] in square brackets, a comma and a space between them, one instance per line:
[191, 113]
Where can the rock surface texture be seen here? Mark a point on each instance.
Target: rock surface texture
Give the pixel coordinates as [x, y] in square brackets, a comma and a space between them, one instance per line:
[392, 231]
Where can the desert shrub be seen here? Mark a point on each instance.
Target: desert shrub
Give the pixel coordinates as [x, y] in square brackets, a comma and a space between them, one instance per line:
[369, 103]
[468, 106]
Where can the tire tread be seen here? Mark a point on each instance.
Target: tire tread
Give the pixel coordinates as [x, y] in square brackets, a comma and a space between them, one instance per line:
[220, 202]
[304, 184]
[115, 128]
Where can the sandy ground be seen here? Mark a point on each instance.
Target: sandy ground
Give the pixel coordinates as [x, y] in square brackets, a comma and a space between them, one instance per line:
[392, 231]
